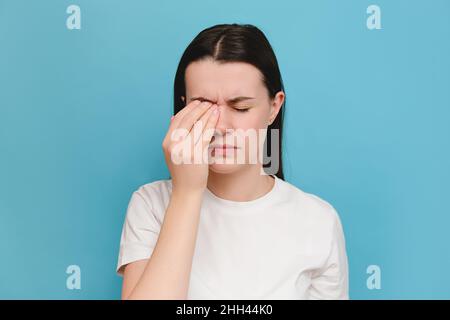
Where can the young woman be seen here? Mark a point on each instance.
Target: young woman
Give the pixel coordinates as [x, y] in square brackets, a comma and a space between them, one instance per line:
[227, 229]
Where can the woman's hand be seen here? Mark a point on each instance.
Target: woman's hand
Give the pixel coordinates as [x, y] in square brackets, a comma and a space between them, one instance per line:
[192, 128]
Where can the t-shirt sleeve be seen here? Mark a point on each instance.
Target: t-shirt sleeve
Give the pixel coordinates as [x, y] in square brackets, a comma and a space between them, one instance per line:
[330, 282]
[139, 233]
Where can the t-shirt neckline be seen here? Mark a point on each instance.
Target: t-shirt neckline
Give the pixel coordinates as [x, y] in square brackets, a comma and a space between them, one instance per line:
[264, 198]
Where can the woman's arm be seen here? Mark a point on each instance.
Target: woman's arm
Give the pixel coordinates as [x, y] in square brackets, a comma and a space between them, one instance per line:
[166, 274]
[331, 281]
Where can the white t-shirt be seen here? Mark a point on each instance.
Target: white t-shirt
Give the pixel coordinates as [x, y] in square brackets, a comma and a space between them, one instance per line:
[287, 244]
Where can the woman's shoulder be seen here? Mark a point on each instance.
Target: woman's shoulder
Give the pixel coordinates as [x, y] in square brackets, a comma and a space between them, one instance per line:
[310, 204]
[161, 185]
[155, 192]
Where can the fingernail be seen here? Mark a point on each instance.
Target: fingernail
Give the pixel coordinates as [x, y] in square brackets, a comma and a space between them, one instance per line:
[215, 109]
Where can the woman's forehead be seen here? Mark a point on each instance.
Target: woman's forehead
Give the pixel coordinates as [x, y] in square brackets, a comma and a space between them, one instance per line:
[230, 79]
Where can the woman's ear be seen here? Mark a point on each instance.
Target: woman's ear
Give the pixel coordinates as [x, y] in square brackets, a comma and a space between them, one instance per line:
[183, 98]
[277, 102]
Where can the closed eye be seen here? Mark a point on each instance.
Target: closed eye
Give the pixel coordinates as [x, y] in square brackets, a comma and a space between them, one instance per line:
[238, 110]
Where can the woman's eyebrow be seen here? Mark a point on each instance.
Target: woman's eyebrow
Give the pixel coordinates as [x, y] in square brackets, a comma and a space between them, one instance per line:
[199, 98]
[239, 99]
[230, 101]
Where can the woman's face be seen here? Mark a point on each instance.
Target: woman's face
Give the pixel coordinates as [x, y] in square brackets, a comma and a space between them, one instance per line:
[243, 100]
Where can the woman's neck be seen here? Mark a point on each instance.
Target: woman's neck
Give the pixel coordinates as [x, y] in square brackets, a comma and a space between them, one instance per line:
[243, 185]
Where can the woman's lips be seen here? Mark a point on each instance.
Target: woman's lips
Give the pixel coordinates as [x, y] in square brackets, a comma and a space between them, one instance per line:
[224, 146]
[223, 149]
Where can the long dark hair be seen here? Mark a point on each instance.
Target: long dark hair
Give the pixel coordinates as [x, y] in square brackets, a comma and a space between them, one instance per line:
[235, 43]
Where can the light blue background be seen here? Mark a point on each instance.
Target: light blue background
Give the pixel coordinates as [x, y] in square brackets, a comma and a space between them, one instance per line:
[83, 113]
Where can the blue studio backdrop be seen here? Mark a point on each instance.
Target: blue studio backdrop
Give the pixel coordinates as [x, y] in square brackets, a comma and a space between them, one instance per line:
[86, 97]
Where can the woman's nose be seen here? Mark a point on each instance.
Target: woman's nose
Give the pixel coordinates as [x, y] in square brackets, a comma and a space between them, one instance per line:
[223, 121]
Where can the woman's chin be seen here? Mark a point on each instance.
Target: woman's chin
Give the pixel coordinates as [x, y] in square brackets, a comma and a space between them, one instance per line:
[224, 168]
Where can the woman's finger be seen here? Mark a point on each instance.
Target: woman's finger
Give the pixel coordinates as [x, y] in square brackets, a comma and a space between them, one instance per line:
[180, 114]
[199, 126]
[190, 118]
[209, 128]
[175, 121]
